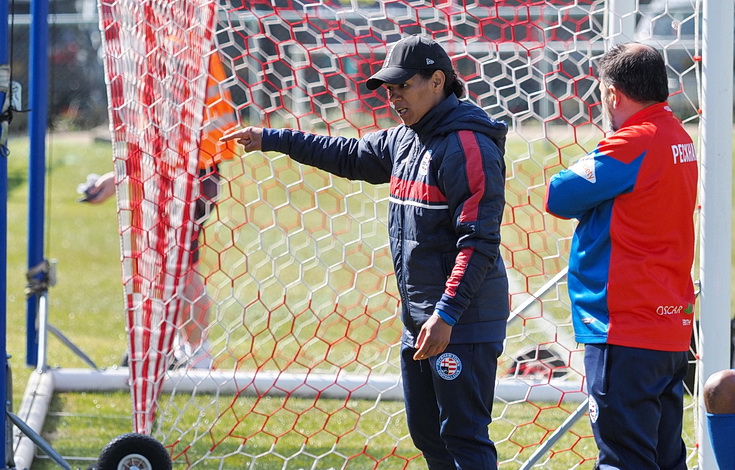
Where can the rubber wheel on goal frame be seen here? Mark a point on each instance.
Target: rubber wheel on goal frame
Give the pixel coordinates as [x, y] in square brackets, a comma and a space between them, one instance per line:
[539, 362]
[134, 451]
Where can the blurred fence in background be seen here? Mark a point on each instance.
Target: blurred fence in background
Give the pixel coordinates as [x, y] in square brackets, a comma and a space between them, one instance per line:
[76, 89]
[77, 98]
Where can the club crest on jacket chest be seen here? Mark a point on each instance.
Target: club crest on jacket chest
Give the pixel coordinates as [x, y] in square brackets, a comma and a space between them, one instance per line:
[425, 163]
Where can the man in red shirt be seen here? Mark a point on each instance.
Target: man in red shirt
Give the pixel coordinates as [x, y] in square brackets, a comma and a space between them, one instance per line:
[630, 264]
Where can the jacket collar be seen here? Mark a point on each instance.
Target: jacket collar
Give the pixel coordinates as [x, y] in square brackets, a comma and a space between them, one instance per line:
[646, 113]
[434, 117]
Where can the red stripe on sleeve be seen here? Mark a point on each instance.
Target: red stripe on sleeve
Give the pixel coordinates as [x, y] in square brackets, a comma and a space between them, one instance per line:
[475, 175]
[471, 207]
[460, 265]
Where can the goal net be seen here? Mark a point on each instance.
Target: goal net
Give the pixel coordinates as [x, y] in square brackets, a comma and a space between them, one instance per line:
[261, 299]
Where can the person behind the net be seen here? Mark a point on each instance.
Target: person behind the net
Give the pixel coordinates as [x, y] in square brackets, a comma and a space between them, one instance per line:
[447, 175]
[630, 263]
[195, 349]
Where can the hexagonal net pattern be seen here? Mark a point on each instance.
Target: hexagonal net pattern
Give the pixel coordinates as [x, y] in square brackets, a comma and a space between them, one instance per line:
[262, 302]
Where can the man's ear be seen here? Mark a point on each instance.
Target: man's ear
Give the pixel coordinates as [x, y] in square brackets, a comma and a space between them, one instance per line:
[617, 97]
[438, 80]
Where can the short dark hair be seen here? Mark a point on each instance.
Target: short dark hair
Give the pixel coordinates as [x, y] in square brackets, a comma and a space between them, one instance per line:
[452, 85]
[636, 70]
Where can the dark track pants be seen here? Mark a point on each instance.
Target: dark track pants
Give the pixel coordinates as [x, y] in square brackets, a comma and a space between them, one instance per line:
[449, 400]
[636, 406]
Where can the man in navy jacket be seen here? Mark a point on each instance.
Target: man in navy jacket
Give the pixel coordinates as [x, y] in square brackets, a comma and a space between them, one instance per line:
[447, 177]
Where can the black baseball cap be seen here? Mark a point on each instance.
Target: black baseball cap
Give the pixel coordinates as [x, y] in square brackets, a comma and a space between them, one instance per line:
[407, 57]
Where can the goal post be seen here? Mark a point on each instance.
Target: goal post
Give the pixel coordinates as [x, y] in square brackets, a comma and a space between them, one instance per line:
[261, 298]
[716, 195]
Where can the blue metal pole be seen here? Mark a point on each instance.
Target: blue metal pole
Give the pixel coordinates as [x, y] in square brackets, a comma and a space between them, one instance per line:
[37, 98]
[4, 41]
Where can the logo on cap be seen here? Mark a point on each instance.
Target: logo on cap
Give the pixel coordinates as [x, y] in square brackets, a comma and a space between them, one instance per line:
[429, 61]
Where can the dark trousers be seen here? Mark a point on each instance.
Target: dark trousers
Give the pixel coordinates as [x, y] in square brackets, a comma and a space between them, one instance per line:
[449, 400]
[636, 406]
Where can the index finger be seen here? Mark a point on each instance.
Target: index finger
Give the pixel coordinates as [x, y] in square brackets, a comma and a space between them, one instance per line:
[232, 135]
[421, 347]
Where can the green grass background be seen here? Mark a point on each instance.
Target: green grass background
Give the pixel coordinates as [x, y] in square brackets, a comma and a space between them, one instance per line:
[87, 305]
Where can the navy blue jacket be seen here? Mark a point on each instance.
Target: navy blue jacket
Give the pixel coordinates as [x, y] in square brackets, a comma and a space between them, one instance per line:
[447, 180]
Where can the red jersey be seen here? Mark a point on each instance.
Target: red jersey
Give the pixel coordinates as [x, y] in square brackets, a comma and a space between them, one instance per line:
[632, 253]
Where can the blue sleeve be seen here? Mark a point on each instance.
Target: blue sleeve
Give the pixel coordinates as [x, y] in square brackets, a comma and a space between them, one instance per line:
[448, 319]
[366, 159]
[588, 183]
[721, 432]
